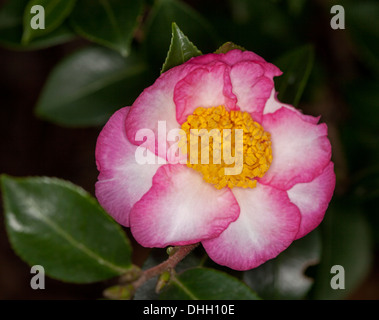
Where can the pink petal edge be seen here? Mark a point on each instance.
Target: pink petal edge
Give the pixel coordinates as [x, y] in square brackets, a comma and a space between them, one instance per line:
[251, 87]
[122, 181]
[273, 104]
[156, 104]
[300, 149]
[312, 198]
[205, 86]
[267, 225]
[235, 56]
[181, 208]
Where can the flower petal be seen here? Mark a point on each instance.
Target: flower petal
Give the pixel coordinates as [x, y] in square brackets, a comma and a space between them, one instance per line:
[231, 57]
[251, 87]
[235, 56]
[206, 86]
[181, 209]
[273, 104]
[267, 224]
[156, 104]
[312, 198]
[122, 181]
[301, 150]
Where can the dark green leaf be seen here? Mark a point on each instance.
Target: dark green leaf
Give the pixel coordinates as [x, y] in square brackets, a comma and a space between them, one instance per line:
[181, 49]
[207, 284]
[11, 29]
[296, 67]
[283, 277]
[87, 87]
[159, 26]
[346, 242]
[53, 223]
[55, 12]
[110, 23]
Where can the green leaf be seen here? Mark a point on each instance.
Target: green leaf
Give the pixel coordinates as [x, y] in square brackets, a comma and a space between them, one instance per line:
[110, 23]
[296, 66]
[53, 223]
[283, 277]
[11, 29]
[88, 86]
[159, 27]
[346, 242]
[207, 284]
[55, 12]
[181, 49]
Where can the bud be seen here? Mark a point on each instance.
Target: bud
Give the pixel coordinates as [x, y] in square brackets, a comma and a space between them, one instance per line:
[133, 274]
[171, 250]
[119, 292]
[164, 278]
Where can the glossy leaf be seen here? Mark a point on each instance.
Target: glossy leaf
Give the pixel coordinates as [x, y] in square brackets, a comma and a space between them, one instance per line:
[347, 243]
[180, 51]
[55, 12]
[53, 223]
[207, 284]
[110, 23]
[159, 27]
[284, 277]
[11, 29]
[296, 67]
[87, 87]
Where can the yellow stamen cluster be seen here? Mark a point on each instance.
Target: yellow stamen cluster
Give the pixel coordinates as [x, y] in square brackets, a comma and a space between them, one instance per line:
[256, 153]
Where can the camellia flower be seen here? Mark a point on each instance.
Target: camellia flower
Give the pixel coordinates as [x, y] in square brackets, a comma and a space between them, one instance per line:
[279, 193]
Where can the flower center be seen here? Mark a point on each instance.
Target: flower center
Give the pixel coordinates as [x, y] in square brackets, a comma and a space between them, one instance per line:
[230, 149]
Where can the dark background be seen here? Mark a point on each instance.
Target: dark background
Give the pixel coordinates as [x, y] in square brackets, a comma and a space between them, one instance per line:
[32, 147]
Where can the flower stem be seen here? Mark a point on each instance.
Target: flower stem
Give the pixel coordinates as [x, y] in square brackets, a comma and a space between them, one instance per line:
[179, 253]
[131, 281]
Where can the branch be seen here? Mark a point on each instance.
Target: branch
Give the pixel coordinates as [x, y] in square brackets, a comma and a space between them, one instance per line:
[176, 255]
[179, 253]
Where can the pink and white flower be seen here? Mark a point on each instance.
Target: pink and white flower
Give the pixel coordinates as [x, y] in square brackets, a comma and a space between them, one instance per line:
[171, 204]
